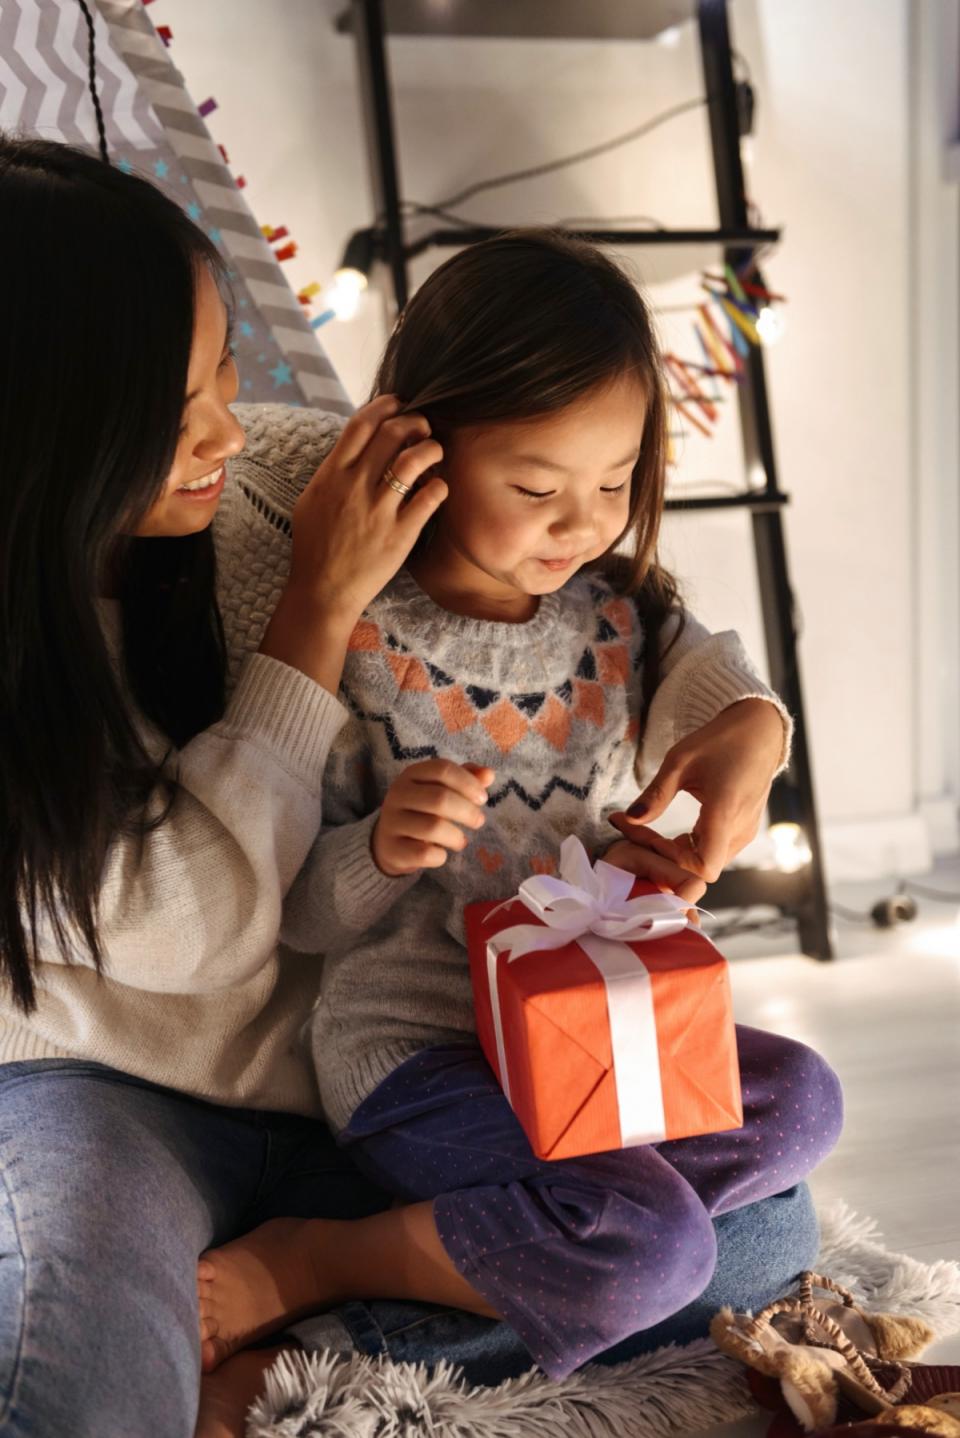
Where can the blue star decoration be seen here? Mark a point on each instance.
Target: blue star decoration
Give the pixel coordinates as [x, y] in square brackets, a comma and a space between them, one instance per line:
[194, 211]
[246, 329]
[125, 166]
[161, 169]
[281, 374]
[248, 384]
[242, 302]
[216, 235]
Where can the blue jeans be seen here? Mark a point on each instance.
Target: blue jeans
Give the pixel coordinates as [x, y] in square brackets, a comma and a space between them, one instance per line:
[109, 1189]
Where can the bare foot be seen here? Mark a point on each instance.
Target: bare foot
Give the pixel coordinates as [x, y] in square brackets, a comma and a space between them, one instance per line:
[252, 1286]
[226, 1396]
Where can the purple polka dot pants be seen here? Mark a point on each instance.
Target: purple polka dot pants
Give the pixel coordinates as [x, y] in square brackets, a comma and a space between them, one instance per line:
[581, 1253]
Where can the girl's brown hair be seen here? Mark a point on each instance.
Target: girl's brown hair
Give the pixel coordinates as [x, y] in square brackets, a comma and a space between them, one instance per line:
[523, 325]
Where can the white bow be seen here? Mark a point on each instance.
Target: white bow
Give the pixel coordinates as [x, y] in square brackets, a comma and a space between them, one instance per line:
[589, 899]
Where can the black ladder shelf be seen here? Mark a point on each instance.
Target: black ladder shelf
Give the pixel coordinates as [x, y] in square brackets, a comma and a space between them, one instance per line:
[802, 893]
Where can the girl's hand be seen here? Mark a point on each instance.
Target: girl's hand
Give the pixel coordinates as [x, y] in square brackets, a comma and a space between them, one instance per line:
[646, 863]
[351, 533]
[729, 766]
[421, 817]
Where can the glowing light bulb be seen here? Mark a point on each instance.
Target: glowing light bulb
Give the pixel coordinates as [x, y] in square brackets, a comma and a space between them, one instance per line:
[790, 848]
[343, 296]
[669, 38]
[769, 323]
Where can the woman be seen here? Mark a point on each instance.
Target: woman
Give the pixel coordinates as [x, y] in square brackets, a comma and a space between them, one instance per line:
[169, 660]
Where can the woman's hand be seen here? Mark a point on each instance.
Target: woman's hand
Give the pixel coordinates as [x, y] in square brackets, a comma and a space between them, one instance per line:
[351, 533]
[425, 812]
[729, 766]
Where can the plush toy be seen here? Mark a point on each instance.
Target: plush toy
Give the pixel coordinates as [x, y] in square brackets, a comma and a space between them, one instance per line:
[818, 1350]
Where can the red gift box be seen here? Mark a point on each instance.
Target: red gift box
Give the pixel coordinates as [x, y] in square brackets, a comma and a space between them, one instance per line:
[603, 1042]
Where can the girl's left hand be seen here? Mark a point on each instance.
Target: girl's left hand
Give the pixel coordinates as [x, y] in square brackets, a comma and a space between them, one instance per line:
[729, 766]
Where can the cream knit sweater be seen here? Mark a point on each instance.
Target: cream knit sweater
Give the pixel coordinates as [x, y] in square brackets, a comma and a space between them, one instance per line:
[199, 993]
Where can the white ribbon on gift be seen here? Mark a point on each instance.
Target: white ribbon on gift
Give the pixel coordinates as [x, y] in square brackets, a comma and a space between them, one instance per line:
[591, 905]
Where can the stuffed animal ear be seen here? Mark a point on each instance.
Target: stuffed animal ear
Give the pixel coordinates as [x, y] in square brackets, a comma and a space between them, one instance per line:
[899, 1337]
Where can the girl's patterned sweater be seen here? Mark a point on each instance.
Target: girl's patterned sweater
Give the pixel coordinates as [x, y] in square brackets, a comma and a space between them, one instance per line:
[553, 706]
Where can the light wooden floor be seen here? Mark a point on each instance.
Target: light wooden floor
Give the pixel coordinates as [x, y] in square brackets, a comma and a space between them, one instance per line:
[886, 1015]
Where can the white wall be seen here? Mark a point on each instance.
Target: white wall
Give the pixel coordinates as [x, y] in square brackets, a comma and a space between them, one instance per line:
[831, 164]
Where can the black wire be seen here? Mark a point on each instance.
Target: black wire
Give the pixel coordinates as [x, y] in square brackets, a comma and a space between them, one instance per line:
[414, 208]
[736, 55]
[92, 81]
[510, 178]
[852, 916]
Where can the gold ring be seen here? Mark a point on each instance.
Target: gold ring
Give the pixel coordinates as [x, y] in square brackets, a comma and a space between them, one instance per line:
[391, 479]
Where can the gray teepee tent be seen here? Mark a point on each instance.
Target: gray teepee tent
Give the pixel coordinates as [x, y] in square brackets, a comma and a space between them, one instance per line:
[153, 126]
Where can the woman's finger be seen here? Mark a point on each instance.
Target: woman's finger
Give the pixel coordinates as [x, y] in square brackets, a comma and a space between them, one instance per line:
[660, 792]
[415, 512]
[408, 469]
[361, 427]
[392, 439]
[713, 839]
[638, 833]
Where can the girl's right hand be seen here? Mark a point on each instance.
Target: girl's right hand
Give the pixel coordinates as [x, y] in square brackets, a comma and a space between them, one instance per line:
[351, 533]
[425, 812]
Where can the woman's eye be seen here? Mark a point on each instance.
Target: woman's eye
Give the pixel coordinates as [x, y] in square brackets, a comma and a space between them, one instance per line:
[614, 489]
[228, 358]
[533, 493]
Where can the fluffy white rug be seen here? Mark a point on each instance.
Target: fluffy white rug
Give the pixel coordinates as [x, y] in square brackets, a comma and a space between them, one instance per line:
[674, 1390]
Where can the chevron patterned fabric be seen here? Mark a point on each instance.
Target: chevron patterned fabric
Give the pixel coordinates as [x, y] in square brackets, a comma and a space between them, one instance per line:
[153, 127]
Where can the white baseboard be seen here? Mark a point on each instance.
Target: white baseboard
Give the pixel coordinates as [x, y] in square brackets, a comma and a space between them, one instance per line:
[942, 818]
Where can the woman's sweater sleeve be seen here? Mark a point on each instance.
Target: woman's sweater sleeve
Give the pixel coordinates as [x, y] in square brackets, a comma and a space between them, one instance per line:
[340, 891]
[701, 674]
[194, 905]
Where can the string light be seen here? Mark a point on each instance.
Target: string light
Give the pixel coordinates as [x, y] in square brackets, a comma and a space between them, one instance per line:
[769, 324]
[791, 851]
[343, 296]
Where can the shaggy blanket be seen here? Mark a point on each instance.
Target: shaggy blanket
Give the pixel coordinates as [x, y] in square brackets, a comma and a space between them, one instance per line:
[674, 1390]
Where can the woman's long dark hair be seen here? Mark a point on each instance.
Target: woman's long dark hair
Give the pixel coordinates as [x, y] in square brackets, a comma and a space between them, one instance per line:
[523, 325]
[98, 271]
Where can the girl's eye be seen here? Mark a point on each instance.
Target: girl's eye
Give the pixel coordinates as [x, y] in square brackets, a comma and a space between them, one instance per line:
[615, 489]
[534, 494]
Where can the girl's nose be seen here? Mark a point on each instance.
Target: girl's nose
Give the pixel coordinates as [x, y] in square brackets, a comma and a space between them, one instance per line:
[576, 522]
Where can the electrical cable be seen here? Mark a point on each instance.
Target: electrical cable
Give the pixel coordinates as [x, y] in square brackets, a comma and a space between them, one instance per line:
[495, 182]
[852, 916]
[92, 81]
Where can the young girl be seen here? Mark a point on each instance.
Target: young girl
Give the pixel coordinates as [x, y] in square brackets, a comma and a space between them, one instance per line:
[500, 689]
